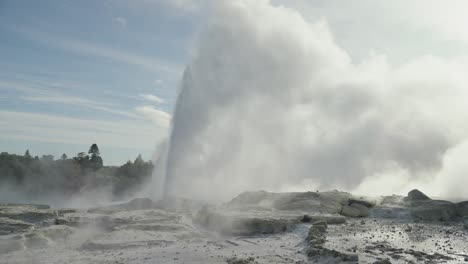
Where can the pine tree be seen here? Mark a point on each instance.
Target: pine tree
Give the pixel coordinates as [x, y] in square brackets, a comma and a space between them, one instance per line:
[96, 160]
[94, 150]
[139, 160]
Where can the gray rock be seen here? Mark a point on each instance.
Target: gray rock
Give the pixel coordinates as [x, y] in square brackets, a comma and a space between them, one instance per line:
[363, 210]
[417, 195]
[317, 253]
[434, 210]
[11, 226]
[317, 202]
[355, 210]
[316, 235]
[27, 213]
[462, 208]
[320, 223]
[366, 203]
[349, 211]
[383, 261]
[243, 223]
[329, 219]
[258, 198]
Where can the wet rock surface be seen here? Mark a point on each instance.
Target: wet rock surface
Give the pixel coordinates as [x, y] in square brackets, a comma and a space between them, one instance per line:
[255, 227]
[11, 226]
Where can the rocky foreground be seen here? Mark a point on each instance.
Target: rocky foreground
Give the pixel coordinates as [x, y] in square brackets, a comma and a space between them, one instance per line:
[255, 227]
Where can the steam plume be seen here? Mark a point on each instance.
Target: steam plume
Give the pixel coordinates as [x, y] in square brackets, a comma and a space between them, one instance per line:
[270, 101]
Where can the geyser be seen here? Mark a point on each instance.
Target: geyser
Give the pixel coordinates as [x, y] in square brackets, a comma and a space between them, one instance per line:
[270, 101]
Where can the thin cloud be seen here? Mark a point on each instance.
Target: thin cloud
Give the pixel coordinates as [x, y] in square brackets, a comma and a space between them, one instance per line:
[152, 98]
[15, 86]
[62, 129]
[79, 101]
[87, 48]
[121, 21]
[157, 116]
[146, 63]
[37, 93]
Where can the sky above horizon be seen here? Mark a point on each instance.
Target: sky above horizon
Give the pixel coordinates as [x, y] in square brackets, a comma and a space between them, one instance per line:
[73, 73]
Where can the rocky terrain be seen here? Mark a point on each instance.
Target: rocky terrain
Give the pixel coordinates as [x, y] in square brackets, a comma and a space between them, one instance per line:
[254, 227]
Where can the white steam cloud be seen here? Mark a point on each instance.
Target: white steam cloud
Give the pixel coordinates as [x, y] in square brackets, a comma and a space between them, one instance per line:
[270, 101]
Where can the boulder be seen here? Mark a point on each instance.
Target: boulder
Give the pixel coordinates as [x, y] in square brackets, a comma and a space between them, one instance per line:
[329, 202]
[363, 210]
[254, 198]
[417, 195]
[355, 210]
[329, 219]
[316, 235]
[434, 210]
[349, 211]
[366, 203]
[243, 223]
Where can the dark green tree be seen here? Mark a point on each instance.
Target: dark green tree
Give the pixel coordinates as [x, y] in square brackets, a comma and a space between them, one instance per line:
[95, 161]
[47, 158]
[82, 160]
[27, 155]
[139, 160]
[94, 150]
[81, 156]
[64, 156]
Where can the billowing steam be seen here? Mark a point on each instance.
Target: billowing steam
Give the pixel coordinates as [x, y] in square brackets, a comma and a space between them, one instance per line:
[271, 102]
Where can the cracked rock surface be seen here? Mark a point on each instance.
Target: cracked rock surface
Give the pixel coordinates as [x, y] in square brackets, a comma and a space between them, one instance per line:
[255, 227]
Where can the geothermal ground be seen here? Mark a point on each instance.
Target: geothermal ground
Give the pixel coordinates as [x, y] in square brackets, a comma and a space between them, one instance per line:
[255, 227]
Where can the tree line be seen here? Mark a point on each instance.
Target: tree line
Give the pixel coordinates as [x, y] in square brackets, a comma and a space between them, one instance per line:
[69, 176]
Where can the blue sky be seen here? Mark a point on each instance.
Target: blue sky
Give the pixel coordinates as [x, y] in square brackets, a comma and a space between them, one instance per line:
[73, 73]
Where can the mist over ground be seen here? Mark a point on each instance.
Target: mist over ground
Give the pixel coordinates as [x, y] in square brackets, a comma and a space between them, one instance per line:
[270, 101]
[77, 182]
